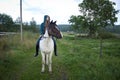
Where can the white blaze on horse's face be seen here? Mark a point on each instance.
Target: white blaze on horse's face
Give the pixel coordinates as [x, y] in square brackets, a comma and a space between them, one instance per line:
[59, 31]
[61, 34]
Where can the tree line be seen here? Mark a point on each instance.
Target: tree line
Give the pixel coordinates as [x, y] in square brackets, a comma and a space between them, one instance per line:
[8, 25]
[94, 16]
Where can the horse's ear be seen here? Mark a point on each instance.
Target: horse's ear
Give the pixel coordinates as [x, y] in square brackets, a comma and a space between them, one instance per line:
[51, 21]
[55, 22]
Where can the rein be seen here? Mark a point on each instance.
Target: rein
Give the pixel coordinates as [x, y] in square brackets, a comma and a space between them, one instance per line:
[45, 37]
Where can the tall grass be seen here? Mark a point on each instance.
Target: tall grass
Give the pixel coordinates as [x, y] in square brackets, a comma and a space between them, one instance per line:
[12, 53]
[78, 59]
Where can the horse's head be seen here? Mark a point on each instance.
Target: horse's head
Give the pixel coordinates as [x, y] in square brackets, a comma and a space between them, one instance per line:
[53, 30]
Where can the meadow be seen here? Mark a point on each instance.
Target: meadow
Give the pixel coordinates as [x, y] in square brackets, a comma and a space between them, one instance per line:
[78, 59]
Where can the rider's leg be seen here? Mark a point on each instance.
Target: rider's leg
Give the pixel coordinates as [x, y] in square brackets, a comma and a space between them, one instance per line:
[55, 47]
[37, 46]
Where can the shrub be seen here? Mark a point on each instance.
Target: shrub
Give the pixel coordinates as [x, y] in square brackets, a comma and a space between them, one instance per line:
[3, 47]
[106, 35]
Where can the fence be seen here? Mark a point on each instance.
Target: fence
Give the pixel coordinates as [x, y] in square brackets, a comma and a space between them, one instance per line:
[7, 33]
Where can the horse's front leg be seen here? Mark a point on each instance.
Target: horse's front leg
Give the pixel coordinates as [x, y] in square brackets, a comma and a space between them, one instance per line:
[47, 59]
[43, 62]
[50, 62]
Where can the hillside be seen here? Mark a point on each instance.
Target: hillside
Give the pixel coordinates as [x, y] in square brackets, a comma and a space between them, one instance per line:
[67, 27]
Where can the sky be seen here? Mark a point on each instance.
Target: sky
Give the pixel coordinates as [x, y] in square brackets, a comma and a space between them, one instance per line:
[58, 10]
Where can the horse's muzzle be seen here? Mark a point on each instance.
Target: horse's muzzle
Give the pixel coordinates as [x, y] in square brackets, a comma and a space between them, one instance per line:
[59, 36]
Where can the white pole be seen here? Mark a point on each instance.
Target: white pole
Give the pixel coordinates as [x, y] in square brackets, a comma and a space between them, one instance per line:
[21, 18]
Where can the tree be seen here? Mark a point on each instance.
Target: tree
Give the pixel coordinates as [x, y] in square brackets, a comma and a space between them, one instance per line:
[6, 22]
[17, 21]
[75, 22]
[95, 14]
[33, 23]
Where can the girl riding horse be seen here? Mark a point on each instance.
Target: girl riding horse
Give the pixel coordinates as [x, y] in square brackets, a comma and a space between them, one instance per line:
[46, 44]
[46, 22]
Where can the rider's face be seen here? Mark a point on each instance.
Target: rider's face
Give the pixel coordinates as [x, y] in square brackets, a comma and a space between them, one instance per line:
[48, 18]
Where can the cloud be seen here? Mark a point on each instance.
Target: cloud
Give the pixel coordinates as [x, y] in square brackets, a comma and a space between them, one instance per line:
[35, 10]
[10, 7]
[117, 7]
[59, 10]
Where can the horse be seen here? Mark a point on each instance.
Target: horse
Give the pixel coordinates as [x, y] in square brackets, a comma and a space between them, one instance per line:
[46, 44]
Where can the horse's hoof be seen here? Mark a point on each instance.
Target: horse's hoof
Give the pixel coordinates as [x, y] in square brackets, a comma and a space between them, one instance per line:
[47, 64]
[42, 71]
[50, 72]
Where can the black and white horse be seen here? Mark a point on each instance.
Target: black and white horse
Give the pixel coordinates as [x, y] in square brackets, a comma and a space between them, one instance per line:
[46, 44]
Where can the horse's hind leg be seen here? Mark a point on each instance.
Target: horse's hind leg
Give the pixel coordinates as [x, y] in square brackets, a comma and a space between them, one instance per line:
[43, 62]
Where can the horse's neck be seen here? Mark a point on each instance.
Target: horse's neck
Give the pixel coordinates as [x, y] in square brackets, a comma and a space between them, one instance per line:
[47, 37]
[46, 33]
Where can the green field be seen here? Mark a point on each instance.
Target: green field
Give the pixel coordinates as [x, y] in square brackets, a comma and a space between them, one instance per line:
[78, 59]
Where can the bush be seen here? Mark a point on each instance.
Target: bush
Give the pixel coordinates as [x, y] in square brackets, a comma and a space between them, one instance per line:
[3, 47]
[12, 28]
[106, 35]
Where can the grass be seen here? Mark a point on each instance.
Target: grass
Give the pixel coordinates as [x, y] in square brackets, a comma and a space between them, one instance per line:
[78, 59]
